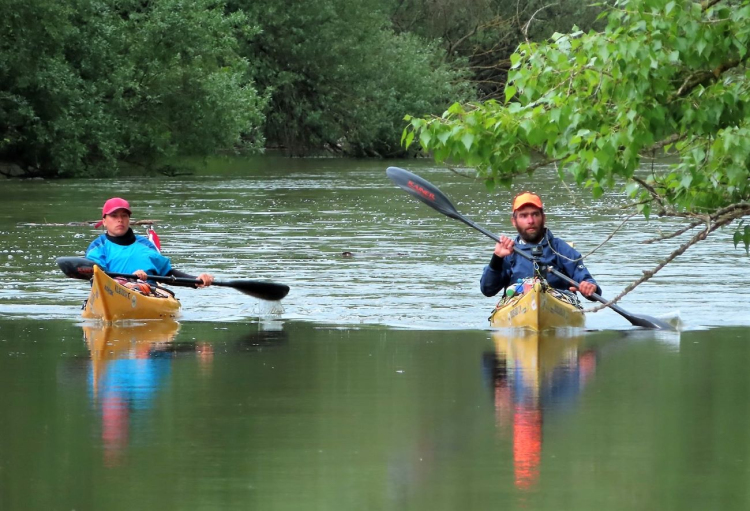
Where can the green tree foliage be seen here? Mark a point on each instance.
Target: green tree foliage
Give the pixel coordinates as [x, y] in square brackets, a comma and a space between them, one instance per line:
[662, 76]
[484, 33]
[340, 77]
[86, 83]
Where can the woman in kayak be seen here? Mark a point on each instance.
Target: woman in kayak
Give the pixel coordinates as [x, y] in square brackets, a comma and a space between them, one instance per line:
[119, 250]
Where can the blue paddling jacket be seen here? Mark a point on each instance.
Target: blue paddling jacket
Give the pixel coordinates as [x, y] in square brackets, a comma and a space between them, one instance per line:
[128, 253]
[503, 271]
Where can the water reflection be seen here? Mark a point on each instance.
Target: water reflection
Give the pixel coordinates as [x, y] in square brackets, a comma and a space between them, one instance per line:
[129, 364]
[534, 374]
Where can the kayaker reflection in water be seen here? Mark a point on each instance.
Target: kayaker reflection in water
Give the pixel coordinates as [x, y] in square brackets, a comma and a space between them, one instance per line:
[119, 250]
[506, 267]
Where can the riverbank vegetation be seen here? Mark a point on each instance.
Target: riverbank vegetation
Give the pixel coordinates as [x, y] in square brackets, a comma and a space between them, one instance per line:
[86, 86]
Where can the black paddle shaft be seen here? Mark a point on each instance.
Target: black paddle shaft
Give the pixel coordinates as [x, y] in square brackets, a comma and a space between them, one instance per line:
[431, 195]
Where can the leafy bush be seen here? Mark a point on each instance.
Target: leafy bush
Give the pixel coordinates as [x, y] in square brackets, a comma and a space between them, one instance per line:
[86, 84]
[340, 77]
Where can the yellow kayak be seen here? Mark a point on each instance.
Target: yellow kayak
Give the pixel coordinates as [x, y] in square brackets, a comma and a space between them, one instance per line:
[538, 308]
[110, 301]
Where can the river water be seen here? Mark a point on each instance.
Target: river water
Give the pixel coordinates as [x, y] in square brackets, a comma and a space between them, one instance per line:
[376, 384]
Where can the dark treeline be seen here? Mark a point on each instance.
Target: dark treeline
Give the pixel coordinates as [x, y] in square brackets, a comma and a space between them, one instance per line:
[86, 85]
[482, 34]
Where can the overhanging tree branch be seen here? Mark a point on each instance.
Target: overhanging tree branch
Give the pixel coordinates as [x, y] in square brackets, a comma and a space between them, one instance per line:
[648, 274]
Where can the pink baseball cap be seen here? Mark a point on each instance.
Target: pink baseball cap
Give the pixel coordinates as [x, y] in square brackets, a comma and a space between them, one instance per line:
[113, 205]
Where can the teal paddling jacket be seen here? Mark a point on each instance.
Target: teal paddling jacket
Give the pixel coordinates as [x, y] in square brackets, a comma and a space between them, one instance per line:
[127, 253]
[503, 271]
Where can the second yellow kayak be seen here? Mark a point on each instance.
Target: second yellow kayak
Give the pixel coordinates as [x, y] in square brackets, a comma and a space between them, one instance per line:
[538, 308]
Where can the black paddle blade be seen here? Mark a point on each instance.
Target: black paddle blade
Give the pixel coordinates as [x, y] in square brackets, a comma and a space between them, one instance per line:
[651, 322]
[76, 267]
[255, 288]
[642, 320]
[423, 190]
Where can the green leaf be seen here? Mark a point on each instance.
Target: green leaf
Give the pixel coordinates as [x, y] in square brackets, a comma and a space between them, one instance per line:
[425, 137]
[700, 45]
[645, 209]
[522, 162]
[631, 189]
[597, 191]
[409, 139]
[455, 109]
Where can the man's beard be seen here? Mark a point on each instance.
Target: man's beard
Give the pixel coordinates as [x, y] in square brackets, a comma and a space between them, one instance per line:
[535, 238]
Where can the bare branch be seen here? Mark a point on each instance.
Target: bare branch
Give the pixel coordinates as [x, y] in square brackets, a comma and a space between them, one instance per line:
[525, 29]
[462, 174]
[734, 211]
[652, 191]
[600, 245]
[679, 232]
[708, 4]
[647, 274]
[702, 77]
[453, 46]
[675, 137]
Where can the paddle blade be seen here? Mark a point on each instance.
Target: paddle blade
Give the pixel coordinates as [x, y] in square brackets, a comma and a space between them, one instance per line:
[651, 322]
[261, 290]
[423, 190]
[642, 320]
[76, 267]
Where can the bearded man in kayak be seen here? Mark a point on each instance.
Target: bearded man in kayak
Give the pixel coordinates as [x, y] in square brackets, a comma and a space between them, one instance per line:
[506, 267]
[119, 250]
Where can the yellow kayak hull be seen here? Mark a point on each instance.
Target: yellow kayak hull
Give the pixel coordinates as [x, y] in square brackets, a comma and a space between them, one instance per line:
[110, 302]
[536, 310]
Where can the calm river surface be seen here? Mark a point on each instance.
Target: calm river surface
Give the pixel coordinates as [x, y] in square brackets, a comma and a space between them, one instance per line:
[376, 384]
